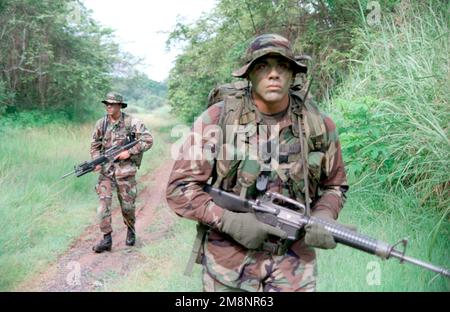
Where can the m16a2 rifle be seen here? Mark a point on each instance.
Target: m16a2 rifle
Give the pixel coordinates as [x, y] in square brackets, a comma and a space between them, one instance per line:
[107, 156]
[291, 221]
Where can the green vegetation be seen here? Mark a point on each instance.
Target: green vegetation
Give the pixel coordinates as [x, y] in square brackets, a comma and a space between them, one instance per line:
[139, 90]
[213, 46]
[388, 217]
[164, 263]
[56, 62]
[41, 215]
[394, 106]
[53, 56]
[385, 86]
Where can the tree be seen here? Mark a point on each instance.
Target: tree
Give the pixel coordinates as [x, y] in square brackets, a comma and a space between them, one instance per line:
[214, 44]
[49, 61]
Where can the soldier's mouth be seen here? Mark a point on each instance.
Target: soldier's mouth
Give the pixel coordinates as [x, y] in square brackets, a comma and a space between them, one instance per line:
[273, 87]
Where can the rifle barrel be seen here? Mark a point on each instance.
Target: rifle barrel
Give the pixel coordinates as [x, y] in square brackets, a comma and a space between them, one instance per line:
[371, 245]
[340, 233]
[426, 265]
[68, 174]
[108, 155]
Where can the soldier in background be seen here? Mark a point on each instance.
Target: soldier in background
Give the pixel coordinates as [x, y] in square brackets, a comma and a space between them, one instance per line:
[118, 128]
[232, 253]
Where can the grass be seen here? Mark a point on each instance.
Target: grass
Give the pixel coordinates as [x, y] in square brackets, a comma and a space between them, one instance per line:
[40, 214]
[392, 113]
[394, 105]
[164, 262]
[393, 110]
[381, 215]
[388, 217]
[158, 123]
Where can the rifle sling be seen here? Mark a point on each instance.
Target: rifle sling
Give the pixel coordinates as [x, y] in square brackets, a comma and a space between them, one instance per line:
[196, 254]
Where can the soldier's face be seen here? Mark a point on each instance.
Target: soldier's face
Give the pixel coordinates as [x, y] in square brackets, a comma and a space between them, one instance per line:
[271, 78]
[113, 109]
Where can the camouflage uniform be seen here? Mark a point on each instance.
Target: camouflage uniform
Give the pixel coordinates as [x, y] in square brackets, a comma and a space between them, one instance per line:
[227, 265]
[121, 174]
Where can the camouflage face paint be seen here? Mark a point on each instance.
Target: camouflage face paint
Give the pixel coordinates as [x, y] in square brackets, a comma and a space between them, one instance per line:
[271, 78]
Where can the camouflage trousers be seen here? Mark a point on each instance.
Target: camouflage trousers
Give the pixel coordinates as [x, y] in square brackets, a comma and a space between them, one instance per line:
[265, 273]
[126, 194]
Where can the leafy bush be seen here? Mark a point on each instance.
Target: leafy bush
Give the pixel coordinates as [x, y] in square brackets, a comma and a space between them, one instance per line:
[394, 105]
[48, 61]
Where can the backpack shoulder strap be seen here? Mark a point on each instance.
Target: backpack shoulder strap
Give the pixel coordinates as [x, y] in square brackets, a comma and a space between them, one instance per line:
[233, 105]
[316, 125]
[127, 119]
[104, 126]
[313, 122]
[103, 130]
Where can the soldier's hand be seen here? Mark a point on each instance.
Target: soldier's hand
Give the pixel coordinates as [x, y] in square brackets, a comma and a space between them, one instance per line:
[316, 235]
[123, 155]
[98, 168]
[247, 230]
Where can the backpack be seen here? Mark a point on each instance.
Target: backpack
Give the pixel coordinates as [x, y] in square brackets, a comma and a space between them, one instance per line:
[219, 93]
[232, 93]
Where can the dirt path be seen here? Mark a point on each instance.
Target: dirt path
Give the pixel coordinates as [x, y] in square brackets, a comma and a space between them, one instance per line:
[80, 269]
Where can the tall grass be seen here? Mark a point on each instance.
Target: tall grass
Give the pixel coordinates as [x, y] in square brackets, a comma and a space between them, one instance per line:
[383, 216]
[394, 106]
[392, 113]
[40, 214]
[388, 217]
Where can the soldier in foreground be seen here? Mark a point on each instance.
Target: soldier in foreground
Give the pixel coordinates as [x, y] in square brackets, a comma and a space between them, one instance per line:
[233, 254]
[118, 128]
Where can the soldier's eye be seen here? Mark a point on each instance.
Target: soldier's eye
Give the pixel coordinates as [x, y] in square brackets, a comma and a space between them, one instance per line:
[284, 66]
[260, 66]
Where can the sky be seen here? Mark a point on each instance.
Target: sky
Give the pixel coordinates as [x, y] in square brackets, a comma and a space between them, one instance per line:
[142, 27]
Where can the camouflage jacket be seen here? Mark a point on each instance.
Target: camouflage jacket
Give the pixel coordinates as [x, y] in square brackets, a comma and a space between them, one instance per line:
[116, 134]
[185, 196]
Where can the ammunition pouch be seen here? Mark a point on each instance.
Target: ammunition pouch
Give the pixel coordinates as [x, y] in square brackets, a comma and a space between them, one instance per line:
[276, 247]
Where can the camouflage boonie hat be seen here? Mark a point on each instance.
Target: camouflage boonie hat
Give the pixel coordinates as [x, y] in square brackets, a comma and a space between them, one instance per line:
[114, 98]
[266, 44]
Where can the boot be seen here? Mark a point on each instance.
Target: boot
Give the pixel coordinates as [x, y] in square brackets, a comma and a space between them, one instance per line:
[131, 237]
[104, 245]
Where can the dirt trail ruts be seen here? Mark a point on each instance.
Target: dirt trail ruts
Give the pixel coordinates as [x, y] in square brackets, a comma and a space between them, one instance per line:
[80, 269]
